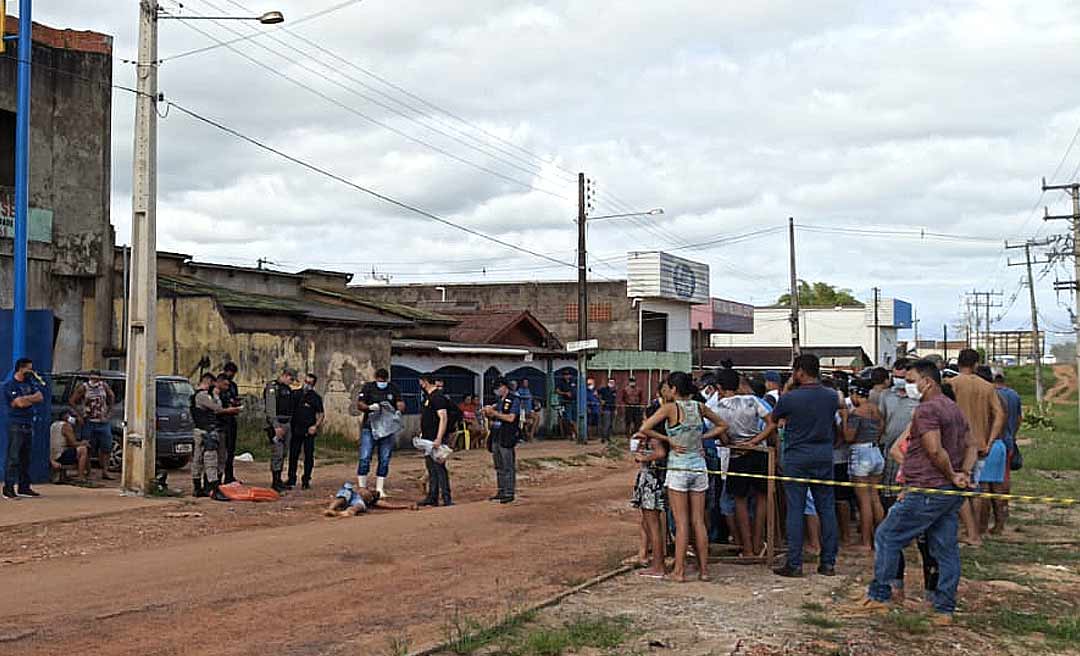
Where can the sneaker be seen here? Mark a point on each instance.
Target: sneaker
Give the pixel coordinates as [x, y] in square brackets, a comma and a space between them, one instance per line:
[9, 492]
[497, 497]
[506, 500]
[306, 485]
[941, 619]
[423, 503]
[27, 492]
[826, 570]
[789, 572]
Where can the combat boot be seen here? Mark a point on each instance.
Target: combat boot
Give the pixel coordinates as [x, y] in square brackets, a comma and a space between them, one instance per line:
[216, 494]
[277, 485]
[197, 488]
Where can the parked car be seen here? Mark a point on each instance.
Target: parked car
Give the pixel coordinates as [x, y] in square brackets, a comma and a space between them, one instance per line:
[175, 428]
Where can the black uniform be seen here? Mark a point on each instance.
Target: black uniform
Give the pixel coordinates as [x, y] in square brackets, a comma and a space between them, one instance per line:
[438, 475]
[504, 437]
[230, 398]
[308, 405]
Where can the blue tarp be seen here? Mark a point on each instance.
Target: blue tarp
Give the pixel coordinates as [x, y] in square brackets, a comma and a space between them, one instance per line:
[39, 334]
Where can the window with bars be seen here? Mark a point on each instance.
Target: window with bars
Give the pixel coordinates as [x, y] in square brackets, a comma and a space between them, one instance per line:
[598, 312]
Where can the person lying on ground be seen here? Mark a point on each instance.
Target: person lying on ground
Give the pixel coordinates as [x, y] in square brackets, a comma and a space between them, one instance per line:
[350, 500]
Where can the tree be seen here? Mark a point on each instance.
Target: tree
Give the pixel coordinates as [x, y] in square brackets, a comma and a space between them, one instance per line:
[1064, 351]
[820, 293]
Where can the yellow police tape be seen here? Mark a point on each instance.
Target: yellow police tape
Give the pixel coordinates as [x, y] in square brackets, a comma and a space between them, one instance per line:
[1064, 501]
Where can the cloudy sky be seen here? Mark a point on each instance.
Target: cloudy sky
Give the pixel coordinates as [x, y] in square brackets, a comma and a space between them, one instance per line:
[867, 122]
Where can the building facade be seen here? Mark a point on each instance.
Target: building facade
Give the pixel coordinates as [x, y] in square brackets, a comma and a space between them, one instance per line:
[71, 238]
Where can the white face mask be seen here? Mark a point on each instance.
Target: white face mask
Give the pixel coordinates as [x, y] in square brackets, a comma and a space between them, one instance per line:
[913, 391]
[899, 383]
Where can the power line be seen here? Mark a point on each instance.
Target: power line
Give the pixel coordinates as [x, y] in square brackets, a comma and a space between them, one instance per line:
[571, 175]
[363, 115]
[383, 197]
[254, 35]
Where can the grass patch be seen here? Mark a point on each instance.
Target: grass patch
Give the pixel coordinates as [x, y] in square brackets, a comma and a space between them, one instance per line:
[1064, 628]
[813, 607]
[397, 646]
[519, 636]
[909, 623]
[820, 621]
[251, 437]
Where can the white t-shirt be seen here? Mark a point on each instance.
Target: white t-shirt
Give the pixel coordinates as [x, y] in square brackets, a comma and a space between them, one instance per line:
[743, 414]
[56, 439]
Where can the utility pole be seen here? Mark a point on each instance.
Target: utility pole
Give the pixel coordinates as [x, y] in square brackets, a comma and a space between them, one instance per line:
[1036, 342]
[140, 402]
[22, 183]
[582, 312]
[796, 348]
[1074, 191]
[945, 343]
[987, 304]
[877, 303]
[915, 325]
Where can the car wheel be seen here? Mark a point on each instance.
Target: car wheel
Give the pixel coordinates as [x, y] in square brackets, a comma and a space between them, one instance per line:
[116, 456]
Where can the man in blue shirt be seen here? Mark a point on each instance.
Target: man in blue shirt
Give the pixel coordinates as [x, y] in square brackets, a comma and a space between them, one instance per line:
[808, 409]
[21, 393]
[1013, 412]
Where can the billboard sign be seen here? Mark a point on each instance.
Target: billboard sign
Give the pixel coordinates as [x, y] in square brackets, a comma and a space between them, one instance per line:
[661, 275]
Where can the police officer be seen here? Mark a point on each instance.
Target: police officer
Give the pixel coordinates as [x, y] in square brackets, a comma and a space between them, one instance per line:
[21, 393]
[505, 425]
[205, 408]
[305, 426]
[230, 398]
[280, 401]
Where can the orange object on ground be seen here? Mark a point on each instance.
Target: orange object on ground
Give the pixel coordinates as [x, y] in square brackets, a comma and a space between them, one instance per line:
[240, 492]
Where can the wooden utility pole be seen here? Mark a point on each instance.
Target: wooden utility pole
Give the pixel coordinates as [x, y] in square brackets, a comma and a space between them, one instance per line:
[1036, 342]
[988, 304]
[1074, 191]
[796, 348]
[877, 303]
[582, 312]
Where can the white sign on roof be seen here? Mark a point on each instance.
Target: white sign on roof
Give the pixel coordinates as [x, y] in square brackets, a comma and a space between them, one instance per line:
[656, 274]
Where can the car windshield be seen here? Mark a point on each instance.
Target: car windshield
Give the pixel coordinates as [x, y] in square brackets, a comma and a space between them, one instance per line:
[174, 394]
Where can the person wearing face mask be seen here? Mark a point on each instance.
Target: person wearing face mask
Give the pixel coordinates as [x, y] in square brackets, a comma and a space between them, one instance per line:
[608, 396]
[307, 419]
[376, 396]
[896, 408]
[592, 405]
[65, 450]
[941, 453]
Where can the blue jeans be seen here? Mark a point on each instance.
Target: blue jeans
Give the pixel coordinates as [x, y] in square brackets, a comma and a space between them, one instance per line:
[368, 443]
[713, 519]
[914, 514]
[824, 500]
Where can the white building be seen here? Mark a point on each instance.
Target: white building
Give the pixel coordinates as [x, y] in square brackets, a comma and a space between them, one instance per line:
[850, 326]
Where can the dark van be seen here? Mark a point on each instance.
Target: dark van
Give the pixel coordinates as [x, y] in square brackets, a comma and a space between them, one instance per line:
[175, 429]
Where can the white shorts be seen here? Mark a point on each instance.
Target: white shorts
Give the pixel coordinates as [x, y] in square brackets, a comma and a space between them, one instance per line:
[687, 481]
[976, 474]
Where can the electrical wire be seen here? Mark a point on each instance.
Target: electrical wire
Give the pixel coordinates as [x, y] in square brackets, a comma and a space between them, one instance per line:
[256, 34]
[371, 192]
[367, 117]
[426, 103]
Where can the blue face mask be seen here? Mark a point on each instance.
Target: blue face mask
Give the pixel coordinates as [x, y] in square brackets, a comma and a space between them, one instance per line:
[898, 383]
[381, 384]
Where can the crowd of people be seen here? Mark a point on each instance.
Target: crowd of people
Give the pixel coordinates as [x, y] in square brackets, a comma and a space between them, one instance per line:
[897, 440]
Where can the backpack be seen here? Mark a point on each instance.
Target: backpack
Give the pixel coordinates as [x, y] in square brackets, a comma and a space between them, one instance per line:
[1016, 463]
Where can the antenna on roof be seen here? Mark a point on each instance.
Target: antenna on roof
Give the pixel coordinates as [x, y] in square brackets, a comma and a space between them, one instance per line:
[263, 261]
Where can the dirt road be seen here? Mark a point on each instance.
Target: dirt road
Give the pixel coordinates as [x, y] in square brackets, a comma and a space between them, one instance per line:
[1065, 385]
[311, 585]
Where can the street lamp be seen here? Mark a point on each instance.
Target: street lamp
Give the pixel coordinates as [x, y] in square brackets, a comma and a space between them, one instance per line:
[140, 402]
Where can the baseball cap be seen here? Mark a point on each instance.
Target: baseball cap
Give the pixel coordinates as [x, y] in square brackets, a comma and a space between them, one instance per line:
[772, 377]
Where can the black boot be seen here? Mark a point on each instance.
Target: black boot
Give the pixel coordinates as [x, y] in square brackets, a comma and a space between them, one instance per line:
[277, 485]
[197, 487]
[216, 494]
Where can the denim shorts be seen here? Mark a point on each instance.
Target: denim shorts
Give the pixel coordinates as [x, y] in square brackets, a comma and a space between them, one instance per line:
[99, 435]
[687, 481]
[865, 460]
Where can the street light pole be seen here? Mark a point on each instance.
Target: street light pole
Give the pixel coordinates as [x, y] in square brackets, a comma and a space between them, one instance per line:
[140, 402]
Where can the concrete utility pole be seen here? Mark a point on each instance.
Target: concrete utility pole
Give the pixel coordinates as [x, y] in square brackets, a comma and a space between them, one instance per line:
[796, 348]
[140, 402]
[1074, 191]
[877, 304]
[945, 343]
[1036, 342]
[915, 325]
[582, 313]
[988, 304]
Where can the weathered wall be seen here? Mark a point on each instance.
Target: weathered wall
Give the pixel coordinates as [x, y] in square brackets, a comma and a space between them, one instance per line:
[70, 168]
[192, 328]
[612, 318]
[251, 281]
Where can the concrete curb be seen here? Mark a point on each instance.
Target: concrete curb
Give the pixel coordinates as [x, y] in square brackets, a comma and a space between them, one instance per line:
[550, 601]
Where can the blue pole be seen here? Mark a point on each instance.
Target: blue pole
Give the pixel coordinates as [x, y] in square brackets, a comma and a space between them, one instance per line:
[22, 181]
